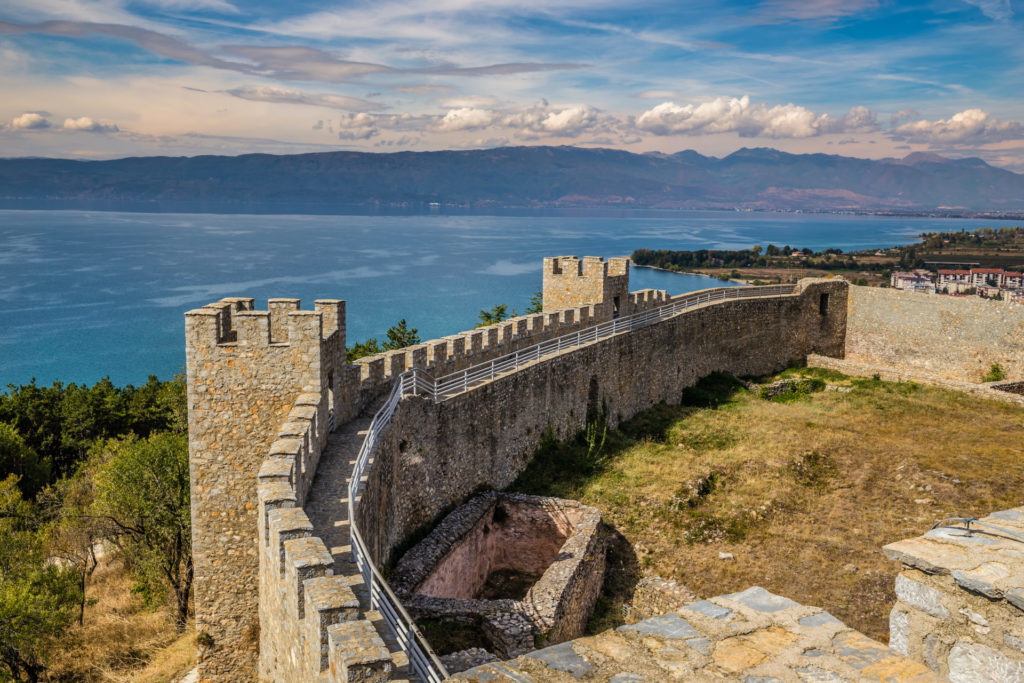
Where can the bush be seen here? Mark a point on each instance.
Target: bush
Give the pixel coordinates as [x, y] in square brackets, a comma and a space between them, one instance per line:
[994, 374]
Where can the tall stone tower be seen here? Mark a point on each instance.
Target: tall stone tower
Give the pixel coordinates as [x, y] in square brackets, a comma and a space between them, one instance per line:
[570, 283]
[246, 369]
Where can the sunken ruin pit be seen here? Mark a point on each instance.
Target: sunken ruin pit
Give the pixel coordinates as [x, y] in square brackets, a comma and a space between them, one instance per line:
[503, 572]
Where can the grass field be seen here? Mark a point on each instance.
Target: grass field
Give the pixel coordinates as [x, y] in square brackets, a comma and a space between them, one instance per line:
[803, 490]
[120, 640]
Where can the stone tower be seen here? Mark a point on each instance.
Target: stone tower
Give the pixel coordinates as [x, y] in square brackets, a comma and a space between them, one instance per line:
[570, 283]
[246, 370]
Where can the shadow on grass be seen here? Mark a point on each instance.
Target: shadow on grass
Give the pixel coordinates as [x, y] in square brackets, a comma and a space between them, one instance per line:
[563, 468]
[620, 578]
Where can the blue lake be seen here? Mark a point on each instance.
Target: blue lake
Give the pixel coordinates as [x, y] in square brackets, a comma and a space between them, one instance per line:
[89, 294]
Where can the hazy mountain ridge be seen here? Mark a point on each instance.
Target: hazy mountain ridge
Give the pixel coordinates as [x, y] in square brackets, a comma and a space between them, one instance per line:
[758, 178]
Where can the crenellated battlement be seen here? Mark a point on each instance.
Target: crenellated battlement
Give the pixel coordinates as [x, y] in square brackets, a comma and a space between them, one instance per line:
[266, 387]
[570, 282]
[235, 320]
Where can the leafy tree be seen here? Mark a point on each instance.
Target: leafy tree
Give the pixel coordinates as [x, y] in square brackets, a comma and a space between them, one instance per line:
[536, 303]
[495, 314]
[17, 458]
[369, 347]
[72, 531]
[37, 597]
[400, 336]
[142, 490]
[61, 422]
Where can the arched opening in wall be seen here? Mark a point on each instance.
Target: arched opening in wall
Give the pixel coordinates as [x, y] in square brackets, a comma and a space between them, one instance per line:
[823, 304]
[330, 401]
[615, 307]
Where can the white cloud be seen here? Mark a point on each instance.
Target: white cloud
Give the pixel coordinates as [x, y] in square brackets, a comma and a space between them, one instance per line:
[565, 122]
[86, 124]
[357, 127]
[772, 11]
[30, 120]
[466, 118]
[732, 115]
[969, 127]
[997, 10]
[191, 5]
[268, 93]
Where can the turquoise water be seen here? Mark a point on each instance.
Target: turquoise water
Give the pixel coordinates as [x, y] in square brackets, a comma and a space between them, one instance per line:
[88, 294]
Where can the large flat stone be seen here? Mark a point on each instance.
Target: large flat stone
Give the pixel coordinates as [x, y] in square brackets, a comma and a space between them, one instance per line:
[983, 579]
[667, 625]
[709, 609]
[563, 657]
[757, 598]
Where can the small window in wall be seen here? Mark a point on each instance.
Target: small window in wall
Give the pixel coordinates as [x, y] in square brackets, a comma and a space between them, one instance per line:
[615, 307]
[823, 304]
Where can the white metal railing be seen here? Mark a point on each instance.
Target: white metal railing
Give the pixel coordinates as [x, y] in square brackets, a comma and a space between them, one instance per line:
[422, 659]
[455, 383]
[416, 382]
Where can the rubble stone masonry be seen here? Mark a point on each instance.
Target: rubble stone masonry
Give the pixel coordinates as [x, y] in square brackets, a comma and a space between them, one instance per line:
[952, 337]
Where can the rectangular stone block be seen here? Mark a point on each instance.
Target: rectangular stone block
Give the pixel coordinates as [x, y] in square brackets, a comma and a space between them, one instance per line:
[329, 601]
[357, 653]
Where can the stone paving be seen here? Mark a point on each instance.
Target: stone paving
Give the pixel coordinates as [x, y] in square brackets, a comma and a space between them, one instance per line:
[327, 508]
[752, 636]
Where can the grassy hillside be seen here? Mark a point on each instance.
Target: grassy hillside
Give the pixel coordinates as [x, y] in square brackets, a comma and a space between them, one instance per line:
[803, 490]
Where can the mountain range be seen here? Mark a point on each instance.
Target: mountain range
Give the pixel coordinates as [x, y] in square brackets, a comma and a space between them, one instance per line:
[758, 179]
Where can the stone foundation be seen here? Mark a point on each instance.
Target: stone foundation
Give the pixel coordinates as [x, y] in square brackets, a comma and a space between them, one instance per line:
[960, 600]
[515, 567]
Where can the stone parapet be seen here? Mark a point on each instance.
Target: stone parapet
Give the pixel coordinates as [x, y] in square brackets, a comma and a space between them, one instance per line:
[960, 599]
[261, 387]
[303, 600]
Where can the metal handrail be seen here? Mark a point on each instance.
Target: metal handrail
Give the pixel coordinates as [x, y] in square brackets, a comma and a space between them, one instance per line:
[455, 383]
[422, 658]
[416, 382]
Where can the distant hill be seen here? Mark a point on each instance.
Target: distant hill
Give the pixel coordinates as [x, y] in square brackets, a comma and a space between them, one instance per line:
[527, 176]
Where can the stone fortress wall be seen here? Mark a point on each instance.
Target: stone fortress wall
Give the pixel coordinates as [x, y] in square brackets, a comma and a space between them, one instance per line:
[438, 454]
[949, 337]
[267, 387]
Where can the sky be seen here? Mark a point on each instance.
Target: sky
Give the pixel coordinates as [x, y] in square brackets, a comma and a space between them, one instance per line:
[99, 79]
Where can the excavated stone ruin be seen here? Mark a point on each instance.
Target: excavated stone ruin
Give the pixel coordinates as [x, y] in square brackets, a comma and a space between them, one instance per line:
[503, 572]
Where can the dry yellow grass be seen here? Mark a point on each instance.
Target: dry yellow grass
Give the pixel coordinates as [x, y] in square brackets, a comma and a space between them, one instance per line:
[120, 639]
[803, 494]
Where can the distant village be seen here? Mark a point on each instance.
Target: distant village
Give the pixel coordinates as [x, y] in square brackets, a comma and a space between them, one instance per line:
[989, 283]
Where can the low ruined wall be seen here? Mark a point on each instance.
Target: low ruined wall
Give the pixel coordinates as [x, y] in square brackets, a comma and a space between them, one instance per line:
[960, 600]
[952, 337]
[434, 456]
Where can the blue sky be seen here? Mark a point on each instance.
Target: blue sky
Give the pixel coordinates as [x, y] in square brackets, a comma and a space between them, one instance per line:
[110, 78]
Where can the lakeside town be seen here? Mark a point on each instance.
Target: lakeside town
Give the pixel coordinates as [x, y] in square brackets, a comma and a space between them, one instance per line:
[987, 262]
[988, 283]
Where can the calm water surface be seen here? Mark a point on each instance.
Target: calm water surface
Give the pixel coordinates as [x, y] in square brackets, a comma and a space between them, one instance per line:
[88, 294]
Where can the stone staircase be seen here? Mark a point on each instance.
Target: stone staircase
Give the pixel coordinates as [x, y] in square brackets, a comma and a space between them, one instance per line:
[327, 508]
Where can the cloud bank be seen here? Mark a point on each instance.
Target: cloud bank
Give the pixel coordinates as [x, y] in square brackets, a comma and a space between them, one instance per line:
[749, 120]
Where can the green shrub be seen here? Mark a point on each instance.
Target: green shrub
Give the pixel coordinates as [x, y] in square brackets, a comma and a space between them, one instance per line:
[995, 374]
